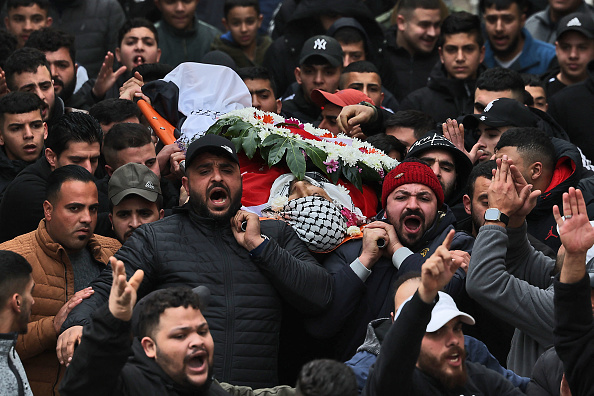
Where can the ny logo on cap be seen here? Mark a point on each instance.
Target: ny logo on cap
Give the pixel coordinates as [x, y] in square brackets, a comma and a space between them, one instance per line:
[149, 184]
[574, 22]
[488, 107]
[320, 44]
[227, 148]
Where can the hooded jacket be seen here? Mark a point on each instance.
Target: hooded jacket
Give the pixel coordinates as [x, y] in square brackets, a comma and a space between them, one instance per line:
[54, 286]
[282, 57]
[226, 44]
[535, 58]
[569, 172]
[247, 289]
[542, 28]
[357, 301]
[443, 97]
[367, 353]
[577, 121]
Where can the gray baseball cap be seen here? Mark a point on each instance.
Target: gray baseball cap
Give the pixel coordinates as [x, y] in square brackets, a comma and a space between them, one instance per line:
[136, 179]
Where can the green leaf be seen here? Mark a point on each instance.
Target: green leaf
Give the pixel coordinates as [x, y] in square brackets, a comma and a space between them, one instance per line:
[277, 152]
[296, 160]
[250, 145]
[317, 156]
[240, 128]
[368, 173]
[237, 142]
[352, 174]
[218, 126]
[273, 139]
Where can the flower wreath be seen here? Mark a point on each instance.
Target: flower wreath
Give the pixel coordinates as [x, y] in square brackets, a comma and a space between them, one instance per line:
[277, 138]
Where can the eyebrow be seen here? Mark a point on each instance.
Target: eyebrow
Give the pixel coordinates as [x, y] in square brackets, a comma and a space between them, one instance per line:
[261, 91]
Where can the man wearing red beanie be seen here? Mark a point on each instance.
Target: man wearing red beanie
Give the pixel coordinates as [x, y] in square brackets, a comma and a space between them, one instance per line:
[415, 221]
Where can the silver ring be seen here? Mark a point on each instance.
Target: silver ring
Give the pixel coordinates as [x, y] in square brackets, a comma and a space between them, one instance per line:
[567, 217]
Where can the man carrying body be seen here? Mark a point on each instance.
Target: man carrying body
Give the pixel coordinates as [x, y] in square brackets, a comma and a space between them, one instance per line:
[16, 300]
[256, 270]
[450, 85]
[509, 45]
[66, 257]
[415, 222]
[423, 352]
[22, 132]
[74, 139]
[135, 198]
[320, 64]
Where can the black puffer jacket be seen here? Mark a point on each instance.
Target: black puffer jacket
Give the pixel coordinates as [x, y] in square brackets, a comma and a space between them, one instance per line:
[246, 292]
[9, 169]
[443, 97]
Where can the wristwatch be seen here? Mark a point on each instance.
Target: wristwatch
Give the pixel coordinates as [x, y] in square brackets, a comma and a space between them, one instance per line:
[493, 214]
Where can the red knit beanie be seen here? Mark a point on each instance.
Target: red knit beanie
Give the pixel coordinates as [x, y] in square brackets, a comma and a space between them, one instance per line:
[411, 172]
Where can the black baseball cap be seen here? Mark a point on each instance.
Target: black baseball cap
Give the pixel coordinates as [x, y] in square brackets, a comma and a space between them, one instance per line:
[212, 144]
[324, 46]
[502, 112]
[577, 22]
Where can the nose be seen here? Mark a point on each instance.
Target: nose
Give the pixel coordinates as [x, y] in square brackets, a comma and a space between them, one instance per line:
[135, 221]
[255, 102]
[53, 70]
[39, 92]
[195, 341]
[436, 169]
[179, 6]
[346, 60]
[87, 165]
[28, 25]
[28, 133]
[85, 216]
[499, 24]
[460, 56]
[573, 54]
[299, 189]
[432, 31]
[217, 175]
[452, 339]
[412, 202]
[319, 77]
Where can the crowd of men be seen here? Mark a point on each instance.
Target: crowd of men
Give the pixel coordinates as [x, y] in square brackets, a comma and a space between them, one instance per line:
[129, 266]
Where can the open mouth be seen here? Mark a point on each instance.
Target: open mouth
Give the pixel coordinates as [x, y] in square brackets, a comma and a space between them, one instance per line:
[412, 223]
[197, 362]
[454, 359]
[218, 196]
[139, 60]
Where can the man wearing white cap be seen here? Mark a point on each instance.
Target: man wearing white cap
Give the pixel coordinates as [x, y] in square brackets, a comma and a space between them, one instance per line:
[423, 352]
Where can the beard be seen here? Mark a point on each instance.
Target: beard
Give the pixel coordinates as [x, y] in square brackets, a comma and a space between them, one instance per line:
[167, 363]
[477, 222]
[438, 368]
[67, 89]
[513, 45]
[408, 240]
[200, 207]
[23, 319]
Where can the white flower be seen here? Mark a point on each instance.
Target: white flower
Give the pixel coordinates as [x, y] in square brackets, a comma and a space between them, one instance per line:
[353, 231]
[278, 203]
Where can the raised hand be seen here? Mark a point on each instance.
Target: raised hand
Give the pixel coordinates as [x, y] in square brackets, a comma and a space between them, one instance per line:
[106, 77]
[575, 231]
[438, 270]
[454, 132]
[123, 293]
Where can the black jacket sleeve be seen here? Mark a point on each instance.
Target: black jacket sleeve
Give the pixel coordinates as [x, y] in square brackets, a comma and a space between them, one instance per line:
[99, 359]
[574, 334]
[293, 271]
[400, 350]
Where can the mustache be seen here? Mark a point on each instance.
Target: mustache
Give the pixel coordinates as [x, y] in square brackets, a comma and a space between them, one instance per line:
[58, 81]
[218, 185]
[412, 212]
[454, 349]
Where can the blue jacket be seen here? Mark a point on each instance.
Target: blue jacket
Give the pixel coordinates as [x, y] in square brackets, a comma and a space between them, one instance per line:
[535, 58]
[477, 352]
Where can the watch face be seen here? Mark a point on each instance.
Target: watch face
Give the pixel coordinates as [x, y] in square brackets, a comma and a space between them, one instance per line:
[492, 214]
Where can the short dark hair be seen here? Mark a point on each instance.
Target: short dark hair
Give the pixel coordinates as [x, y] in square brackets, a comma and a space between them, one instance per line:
[420, 122]
[482, 169]
[500, 79]
[114, 110]
[387, 143]
[15, 273]
[50, 40]
[461, 22]
[532, 143]
[501, 5]
[8, 44]
[63, 174]
[230, 4]
[532, 80]
[23, 60]
[326, 377]
[19, 103]
[133, 23]
[361, 67]
[404, 6]
[43, 4]
[122, 136]
[401, 280]
[75, 126]
[154, 304]
[257, 73]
